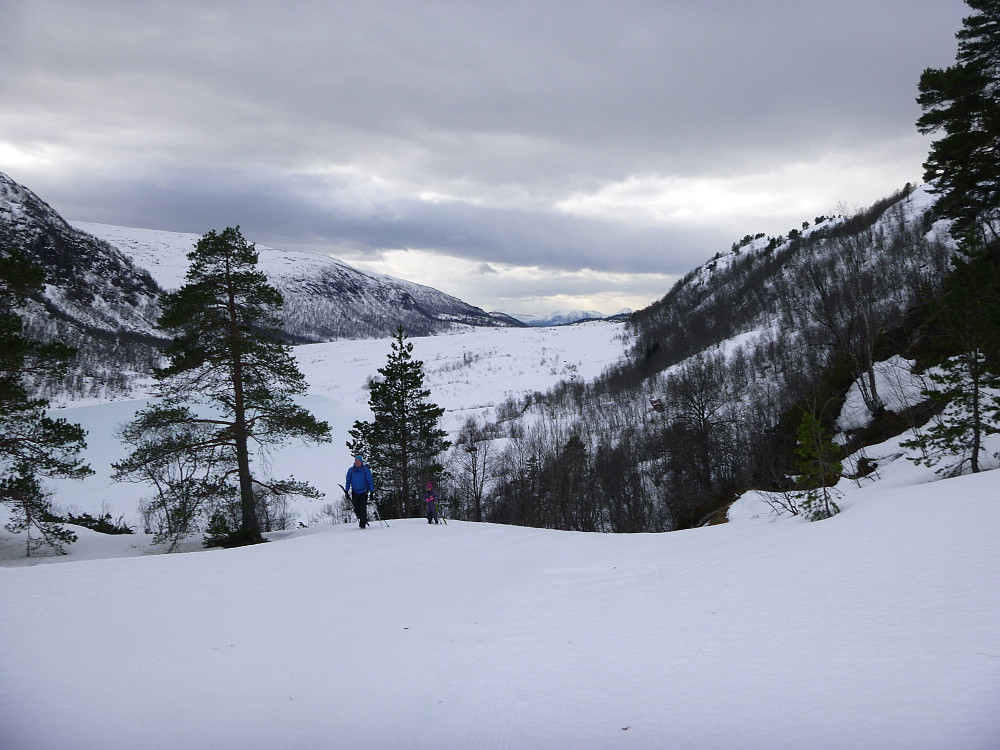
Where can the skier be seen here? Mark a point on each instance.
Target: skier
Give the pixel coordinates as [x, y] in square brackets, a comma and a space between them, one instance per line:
[359, 483]
[430, 498]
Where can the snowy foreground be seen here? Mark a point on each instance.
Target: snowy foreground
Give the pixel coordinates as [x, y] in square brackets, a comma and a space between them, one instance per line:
[874, 629]
[877, 628]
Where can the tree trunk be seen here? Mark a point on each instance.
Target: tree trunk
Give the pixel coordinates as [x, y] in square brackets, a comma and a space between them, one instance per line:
[977, 426]
[249, 531]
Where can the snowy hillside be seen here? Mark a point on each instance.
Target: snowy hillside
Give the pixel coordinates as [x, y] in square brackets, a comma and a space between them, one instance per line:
[324, 298]
[88, 283]
[792, 290]
[94, 298]
[874, 629]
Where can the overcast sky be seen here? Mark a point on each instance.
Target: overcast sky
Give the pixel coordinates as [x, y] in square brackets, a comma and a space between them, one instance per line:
[525, 156]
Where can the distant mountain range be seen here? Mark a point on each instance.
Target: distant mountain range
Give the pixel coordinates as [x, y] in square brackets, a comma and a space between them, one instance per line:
[565, 318]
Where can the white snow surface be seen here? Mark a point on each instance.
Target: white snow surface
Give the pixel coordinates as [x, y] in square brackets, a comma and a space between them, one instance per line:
[898, 388]
[876, 628]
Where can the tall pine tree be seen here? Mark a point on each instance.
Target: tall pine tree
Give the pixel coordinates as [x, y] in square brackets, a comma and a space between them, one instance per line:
[403, 442]
[225, 354]
[32, 445]
[962, 103]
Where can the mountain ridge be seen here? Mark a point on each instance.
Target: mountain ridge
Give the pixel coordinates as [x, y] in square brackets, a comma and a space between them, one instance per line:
[565, 317]
[325, 298]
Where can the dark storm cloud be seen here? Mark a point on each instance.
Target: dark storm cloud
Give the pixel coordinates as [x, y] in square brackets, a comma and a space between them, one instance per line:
[292, 213]
[499, 132]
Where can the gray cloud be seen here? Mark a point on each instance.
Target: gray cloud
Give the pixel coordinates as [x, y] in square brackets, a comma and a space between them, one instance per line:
[460, 127]
[295, 213]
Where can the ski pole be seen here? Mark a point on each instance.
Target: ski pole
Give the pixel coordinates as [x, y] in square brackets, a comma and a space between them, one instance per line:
[377, 514]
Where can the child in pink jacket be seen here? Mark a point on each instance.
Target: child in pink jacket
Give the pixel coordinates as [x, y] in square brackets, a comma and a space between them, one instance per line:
[430, 499]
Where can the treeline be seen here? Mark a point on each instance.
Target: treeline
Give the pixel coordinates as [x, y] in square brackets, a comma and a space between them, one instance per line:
[103, 365]
[590, 461]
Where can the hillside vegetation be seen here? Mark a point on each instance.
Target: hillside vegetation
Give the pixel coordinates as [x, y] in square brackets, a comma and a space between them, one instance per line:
[718, 374]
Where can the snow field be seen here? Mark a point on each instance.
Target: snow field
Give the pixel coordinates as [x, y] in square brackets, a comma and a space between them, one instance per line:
[876, 628]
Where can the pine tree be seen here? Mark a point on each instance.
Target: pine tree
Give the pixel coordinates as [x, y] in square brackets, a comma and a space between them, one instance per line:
[226, 354]
[959, 431]
[967, 380]
[818, 468]
[403, 442]
[32, 445]
[963, 102]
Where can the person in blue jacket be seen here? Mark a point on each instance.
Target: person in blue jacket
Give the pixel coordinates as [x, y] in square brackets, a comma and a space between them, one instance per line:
[359, 483]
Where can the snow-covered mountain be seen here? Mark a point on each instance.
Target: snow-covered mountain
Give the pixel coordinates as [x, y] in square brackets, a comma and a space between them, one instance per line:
[810, 288]
[103, 285]
[566, 317]
[325, 298]
[94, 298]
[106, 280]
[89, 284]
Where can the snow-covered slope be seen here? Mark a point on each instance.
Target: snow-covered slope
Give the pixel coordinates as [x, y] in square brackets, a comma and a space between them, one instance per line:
[94, 298]
[874, 629]
[89, 284]
[880, 260]
[324, 297]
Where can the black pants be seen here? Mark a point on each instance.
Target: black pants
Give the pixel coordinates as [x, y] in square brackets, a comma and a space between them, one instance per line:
[360, 500]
